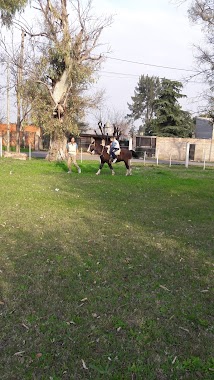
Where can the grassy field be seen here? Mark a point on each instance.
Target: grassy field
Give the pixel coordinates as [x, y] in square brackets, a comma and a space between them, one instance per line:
[107, 277]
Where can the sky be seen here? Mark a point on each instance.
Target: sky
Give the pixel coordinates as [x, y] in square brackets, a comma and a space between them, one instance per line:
[145, 34]
[153, 33]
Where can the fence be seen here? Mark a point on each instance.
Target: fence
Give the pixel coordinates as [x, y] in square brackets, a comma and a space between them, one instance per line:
[199, 149]
[145, 145]
[174, 148]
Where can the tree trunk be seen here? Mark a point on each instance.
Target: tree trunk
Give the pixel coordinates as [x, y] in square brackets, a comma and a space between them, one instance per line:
[57, 150]
[18, 128]
[8, 106]
[19, 100]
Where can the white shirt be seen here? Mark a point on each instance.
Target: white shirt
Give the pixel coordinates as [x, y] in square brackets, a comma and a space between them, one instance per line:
[72, 148]
[115, 144]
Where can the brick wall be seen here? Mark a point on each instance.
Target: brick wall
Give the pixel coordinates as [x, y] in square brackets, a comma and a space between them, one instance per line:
[29, 135]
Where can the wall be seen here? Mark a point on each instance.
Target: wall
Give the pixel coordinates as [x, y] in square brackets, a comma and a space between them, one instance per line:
[176, 147]
[28, 135]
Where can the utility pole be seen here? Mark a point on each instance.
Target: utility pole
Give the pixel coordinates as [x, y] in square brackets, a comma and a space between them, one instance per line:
[19, 87]
[8, 105]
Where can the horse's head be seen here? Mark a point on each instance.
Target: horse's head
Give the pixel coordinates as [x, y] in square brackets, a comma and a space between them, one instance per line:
[91, 147]
[96, 146]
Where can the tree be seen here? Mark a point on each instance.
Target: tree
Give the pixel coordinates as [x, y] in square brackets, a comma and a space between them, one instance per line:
[61, 66]
[202, 11]
[145, 93]
[170, 119]
[113, 122]
[13, 58]
[8, 8]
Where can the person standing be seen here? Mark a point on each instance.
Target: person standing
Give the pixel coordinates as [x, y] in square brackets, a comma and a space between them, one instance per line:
[72, 151]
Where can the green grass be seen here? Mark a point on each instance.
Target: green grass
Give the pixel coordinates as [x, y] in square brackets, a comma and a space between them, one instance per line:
[110, 273]
[13, 149]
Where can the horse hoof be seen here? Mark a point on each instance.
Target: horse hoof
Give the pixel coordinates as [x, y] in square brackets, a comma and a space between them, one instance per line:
[113, 173]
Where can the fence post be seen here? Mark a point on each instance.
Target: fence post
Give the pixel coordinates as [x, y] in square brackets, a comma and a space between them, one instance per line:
[29, 151]
[204, 159]
[170, 160]
[157, 155]
[187, 155]
[144, 158]
[210, 153]
[0, 146]
[130, 143]
[81, 155]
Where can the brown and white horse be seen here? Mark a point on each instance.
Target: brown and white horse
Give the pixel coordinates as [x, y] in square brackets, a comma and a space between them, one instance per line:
[98, 146]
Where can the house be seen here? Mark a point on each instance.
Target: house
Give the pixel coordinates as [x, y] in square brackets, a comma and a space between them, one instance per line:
[85, 137]
[29, 134]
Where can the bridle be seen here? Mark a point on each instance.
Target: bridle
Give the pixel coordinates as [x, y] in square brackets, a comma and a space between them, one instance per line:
[94, 147]
[103, 146]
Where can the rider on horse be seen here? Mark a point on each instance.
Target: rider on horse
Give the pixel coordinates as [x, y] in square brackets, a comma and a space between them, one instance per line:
[114, 147]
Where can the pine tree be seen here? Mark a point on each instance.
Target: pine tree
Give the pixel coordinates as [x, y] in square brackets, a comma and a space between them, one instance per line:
[145, 93]
[170, 119]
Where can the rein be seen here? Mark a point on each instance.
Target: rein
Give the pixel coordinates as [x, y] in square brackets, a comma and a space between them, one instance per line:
[102, 150]
[103, 146]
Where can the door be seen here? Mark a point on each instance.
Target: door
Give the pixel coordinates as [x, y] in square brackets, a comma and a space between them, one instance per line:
[192, 152]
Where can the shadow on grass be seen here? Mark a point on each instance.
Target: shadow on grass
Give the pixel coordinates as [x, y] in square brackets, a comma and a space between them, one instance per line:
[94, 277]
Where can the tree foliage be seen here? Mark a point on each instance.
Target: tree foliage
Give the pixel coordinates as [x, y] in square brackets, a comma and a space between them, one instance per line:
[170, 119]
[8, 8]
[61, 64]
[66, 67]
[145, 93]
[156, 103]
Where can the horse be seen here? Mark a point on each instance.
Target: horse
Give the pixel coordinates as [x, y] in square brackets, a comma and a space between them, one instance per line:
[98, 146]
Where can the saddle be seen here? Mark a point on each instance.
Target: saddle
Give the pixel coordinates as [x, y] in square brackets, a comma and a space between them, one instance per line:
[117, 153]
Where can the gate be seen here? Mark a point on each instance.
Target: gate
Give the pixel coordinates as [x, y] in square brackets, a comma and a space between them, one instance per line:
[146, 144]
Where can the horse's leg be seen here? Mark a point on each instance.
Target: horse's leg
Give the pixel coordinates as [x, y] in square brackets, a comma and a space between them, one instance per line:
[128, 171]
[101, 166]
[111, 168]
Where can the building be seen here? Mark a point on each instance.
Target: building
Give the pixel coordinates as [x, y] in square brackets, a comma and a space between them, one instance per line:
[29, 135]
[204, 128]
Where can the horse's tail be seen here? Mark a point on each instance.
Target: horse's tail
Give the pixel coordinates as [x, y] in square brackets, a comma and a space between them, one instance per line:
[134, 154]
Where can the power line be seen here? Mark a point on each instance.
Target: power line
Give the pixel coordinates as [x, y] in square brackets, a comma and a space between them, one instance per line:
[115, 73]
[150, 64]
[136, 75]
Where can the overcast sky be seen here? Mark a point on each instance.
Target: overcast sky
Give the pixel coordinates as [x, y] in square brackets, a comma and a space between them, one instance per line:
[153, 33]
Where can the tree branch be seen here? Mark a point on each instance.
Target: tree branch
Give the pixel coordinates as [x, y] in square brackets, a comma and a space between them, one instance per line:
[49, 90]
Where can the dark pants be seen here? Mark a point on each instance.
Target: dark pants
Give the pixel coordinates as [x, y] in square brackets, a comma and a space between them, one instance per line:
[112, 153]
